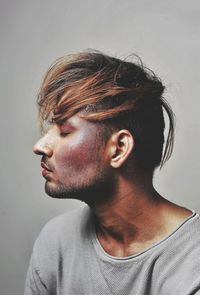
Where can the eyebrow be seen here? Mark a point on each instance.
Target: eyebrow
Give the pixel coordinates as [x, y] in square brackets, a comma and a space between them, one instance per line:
[65, 123]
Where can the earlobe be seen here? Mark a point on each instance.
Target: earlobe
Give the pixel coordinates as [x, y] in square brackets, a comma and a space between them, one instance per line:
[122, 147]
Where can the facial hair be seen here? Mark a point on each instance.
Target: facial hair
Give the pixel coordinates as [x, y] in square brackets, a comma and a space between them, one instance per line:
[100, 189]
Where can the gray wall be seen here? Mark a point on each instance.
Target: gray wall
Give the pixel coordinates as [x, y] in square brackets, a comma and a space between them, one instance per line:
[33, 33]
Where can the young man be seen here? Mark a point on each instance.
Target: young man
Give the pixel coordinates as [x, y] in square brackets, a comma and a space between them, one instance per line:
[104, 140]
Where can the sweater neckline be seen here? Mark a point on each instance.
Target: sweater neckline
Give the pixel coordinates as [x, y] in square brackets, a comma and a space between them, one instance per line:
[100, 250]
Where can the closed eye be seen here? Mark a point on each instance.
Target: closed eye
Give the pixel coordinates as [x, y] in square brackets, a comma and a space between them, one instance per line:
[64, 134]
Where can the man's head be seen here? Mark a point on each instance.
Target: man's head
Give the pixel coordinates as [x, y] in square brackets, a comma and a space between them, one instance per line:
[120, 101]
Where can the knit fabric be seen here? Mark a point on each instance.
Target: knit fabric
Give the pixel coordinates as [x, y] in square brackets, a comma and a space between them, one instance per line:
[67, 259]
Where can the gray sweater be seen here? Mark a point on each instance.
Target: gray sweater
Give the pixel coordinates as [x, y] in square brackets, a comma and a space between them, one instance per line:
[67, 259]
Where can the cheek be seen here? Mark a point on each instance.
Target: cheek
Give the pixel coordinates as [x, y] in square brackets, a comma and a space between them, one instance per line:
[79, 154]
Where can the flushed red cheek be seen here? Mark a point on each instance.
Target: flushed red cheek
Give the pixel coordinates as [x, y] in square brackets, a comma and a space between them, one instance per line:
[78, 154]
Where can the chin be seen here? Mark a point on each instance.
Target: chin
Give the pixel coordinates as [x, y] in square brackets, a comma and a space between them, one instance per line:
[55, 191]
[95, 194]
[62, 192]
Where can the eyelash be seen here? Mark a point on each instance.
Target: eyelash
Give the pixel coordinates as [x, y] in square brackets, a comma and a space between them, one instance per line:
[64, 134]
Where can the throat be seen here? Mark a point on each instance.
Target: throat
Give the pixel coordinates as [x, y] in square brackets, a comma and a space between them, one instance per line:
[115, 245]
[121, 240]
[124, 238]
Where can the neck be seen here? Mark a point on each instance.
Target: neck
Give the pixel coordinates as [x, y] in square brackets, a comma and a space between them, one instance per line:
[126, 212]
[136, 217]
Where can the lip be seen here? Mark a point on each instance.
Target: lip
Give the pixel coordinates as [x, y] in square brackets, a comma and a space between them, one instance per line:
[45, 171]
[45, 167]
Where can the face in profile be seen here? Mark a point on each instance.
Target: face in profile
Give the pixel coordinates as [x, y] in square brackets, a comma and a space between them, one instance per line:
[74, 160]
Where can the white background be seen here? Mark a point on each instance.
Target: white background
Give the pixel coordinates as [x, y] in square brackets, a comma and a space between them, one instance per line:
[166, 35]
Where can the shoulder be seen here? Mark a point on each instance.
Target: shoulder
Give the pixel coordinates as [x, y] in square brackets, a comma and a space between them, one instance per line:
[55, 245]
[61, 231]
[186, 238]
[180, 258]
[67, 221]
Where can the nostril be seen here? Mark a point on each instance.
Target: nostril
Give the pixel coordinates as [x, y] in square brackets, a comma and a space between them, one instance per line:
[37, 149]
[37, 152]
[41, 148]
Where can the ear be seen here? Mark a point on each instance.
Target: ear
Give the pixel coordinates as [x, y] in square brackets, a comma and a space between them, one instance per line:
[120, 146]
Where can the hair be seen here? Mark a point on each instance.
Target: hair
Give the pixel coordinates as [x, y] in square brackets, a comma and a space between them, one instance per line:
[114, 92]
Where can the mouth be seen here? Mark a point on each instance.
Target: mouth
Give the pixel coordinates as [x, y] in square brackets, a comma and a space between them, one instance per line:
[45, 171]
[44, 166]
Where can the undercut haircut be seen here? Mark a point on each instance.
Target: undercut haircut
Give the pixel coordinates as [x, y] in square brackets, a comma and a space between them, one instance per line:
[113, 92]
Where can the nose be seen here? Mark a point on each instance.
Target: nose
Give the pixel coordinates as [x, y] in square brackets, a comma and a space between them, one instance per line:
[43, 147]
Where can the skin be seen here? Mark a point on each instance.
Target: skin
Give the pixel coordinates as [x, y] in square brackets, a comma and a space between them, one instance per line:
[130, 216]
[71, 151]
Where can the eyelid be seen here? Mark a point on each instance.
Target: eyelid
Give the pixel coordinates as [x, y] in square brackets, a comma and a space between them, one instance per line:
[64, 133]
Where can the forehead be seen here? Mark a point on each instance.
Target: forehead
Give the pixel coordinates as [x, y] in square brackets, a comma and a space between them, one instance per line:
[76, 121]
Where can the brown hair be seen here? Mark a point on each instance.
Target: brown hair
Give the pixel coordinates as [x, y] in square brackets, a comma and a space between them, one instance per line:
[114, 92]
